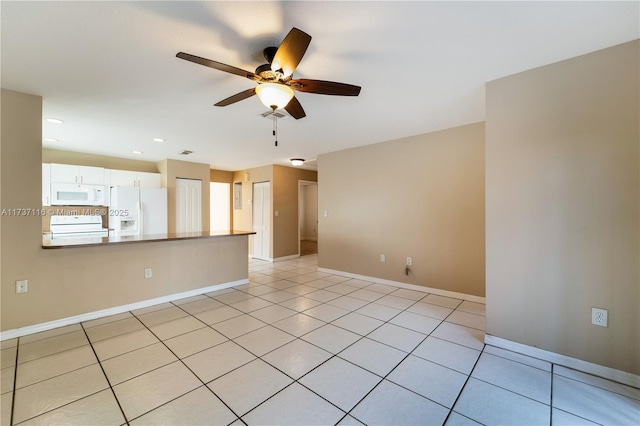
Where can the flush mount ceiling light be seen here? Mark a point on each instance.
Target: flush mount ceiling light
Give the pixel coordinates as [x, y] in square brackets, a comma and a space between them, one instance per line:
[274, 95]
[137, 152]
[55, 120]
[158, 140]
[50, 140]
[297, 161]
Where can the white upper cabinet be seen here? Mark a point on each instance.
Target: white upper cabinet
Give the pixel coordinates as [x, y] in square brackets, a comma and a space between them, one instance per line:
[65, 173]
[149, 180]
[130, 178]
[46, 184]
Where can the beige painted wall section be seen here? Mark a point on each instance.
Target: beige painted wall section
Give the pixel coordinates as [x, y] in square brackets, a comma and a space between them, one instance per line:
[220, 176]
[419, 197]
[309, 216]
[285, 201]
[68, 282]
[172, 169]
[563, 207]
[83, 159]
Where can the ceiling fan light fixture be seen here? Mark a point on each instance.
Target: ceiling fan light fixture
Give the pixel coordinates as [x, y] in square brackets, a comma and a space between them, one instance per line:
[274, 95]
[297, 162]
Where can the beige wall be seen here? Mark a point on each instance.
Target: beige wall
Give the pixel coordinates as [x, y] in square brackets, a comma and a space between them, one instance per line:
[220, 176]
[172, 169]
[285, 201]
[82, 159]
[68, 282]
[419, 197]
[563, 217]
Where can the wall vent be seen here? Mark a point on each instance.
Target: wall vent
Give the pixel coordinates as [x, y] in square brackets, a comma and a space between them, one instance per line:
[277, 114]
[186, 152]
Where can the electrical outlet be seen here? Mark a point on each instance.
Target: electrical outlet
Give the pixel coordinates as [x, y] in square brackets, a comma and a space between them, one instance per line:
[148, 273]
[22, 286]
[409, 261]
[383, 258]
[599, 317]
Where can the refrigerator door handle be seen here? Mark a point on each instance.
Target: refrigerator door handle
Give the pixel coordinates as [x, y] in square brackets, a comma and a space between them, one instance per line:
[140, 219]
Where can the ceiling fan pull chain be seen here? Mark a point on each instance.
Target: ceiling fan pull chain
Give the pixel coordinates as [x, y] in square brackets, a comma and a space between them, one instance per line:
[275, 128]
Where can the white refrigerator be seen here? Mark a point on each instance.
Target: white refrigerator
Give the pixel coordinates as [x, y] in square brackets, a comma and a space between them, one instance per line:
[138, 211]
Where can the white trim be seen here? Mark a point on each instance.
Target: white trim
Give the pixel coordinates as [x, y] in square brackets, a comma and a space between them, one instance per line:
[424, 289]
[23, 331]
[565, 361]
[283, 258]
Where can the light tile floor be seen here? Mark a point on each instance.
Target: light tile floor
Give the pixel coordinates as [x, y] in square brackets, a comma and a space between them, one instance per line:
[296, 346]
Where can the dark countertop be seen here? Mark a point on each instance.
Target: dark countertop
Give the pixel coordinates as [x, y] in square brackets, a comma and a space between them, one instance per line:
[58, 243]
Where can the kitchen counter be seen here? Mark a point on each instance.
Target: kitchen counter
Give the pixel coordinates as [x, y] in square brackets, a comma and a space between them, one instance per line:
[57, 243]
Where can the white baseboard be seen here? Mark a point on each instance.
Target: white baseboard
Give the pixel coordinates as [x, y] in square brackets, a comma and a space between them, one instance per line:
[565, 361]
[283, 258]
[23, 331]
[439, 292]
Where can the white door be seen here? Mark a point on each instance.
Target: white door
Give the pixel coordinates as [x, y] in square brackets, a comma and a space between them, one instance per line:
[220, 206]
[188, 205]
[262, 220]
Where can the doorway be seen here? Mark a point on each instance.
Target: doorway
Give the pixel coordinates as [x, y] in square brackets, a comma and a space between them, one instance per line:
[262, 220]
[220, 206]
[307, 217]
[188, 205]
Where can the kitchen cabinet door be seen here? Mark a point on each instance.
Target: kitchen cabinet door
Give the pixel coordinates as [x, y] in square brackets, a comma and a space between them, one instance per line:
[123, 178]
[91, 175]
[46, 184]
[67, 173]
[149, 180]
[64, 173]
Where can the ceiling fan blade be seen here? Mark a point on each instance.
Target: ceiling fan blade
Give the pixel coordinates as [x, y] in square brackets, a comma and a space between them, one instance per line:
[325, 87]
[295, 109]
[237, 97]
[218, 66]
[291, 51]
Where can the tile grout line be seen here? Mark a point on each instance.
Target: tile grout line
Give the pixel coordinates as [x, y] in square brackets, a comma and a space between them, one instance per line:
[188, 368]
[551, 395]
[15, 381]
[465, 385]
[105, 375]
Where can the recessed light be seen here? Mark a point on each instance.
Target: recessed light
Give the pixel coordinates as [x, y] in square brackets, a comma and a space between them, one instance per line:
[158, 140]
[137, 152]
[51, 140]
[55, 120]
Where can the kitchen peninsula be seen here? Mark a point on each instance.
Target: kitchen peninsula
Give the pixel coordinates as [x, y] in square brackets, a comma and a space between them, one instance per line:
[57, 243]
[88, 281]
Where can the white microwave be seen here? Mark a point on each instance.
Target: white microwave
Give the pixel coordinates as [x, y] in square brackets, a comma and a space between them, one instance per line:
[73, 194]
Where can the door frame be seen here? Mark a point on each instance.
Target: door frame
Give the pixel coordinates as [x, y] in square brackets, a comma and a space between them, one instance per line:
[302, 183]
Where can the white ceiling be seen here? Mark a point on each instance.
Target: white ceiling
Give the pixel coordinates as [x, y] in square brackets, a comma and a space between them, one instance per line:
[109, 70]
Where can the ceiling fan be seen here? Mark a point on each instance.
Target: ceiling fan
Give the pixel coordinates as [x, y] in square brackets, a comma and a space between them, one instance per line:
[275, 79]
